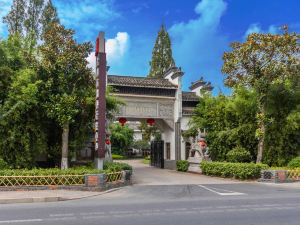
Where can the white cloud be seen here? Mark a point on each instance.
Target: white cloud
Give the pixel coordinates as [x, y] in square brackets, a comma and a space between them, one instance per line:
[92, 61]
[256, 28]
[116, 49]
[197, 44]
[4, 9]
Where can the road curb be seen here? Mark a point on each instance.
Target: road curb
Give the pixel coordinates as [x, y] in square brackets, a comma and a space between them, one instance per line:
[29, 200]
[51, 199]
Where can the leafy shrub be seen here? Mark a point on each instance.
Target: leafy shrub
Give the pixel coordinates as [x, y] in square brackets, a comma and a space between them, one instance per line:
[3, 164]
[182, 165]
[294, 163]
[238, 154]
[146, 160]
[141, 144]
[118, 157]
[116, 166]
[234, 170]
[108, 167]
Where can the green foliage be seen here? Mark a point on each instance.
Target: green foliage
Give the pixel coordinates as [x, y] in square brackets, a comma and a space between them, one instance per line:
[162, 58]
[112, 103]
[49, 172]
[3, 164]
[116, 166]
[30, 18]
[149, 131]
[118, 157]
[238, 154]
[121, 138]
[229, 122]
[294, 163]
[262, 61]
[141, 144]
[147, 160]
[42, 87]
[182, 165]
[233, 170]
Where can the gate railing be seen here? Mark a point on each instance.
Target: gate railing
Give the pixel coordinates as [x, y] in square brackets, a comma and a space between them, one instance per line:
[41, 180]
[112, 177]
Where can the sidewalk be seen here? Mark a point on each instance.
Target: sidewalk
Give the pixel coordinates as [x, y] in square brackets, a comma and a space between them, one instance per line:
[285, 185]
[7, 197]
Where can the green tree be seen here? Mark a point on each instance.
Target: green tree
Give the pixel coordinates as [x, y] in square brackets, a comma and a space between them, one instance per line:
[16, 17]
[5, 80]
[228, 120]
[264, 59]
[149, 131]
[49, 16]
[162, 57]
[22, 134]
[67, 79]
[121, 138]
[32, 21]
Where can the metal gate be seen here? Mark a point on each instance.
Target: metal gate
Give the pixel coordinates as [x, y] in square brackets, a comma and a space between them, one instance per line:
[157, 154]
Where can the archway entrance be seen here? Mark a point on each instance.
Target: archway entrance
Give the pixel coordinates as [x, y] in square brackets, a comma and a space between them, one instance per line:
[160, 99]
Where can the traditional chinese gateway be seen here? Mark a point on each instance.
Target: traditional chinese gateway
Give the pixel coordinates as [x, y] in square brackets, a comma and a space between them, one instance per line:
[163, 101]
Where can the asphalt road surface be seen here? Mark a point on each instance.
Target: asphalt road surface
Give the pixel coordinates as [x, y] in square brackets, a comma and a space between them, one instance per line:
[175, 204]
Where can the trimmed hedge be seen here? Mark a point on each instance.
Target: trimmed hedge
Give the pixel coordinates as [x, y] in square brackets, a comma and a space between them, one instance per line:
[108, 168]
[182, 165]
[294, 163]
[118, 157]
[48, 172]
[116, 166]
[233, 170]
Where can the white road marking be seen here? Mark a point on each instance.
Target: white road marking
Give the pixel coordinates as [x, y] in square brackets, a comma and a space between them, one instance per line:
[227, 193]
[61, 215]
[21, 221]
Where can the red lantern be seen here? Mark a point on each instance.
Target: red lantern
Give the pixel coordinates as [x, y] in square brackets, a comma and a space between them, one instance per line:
[122, 121]
[107, 141]
[151, 122]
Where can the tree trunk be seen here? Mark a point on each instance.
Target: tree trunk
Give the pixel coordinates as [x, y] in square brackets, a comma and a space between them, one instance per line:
[65, 146]
[262, 127]
[261, 144]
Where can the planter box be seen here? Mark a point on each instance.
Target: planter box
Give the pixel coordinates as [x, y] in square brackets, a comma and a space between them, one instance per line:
[274, 176]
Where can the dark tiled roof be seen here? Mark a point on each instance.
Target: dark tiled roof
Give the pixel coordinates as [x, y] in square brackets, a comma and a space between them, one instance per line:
[208, 87]
[197, 83]
[189, 96]
[131, 81]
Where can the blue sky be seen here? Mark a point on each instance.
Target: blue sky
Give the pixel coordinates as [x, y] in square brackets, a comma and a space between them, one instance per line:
[200, 30]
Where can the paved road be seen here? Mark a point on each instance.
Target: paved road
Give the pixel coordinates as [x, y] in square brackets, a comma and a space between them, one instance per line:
[231, 203]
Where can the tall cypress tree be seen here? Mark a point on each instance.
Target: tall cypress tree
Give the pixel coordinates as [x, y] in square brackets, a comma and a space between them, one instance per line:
[31, 18]
[162, 57]
[33, 15]
[16, 17]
